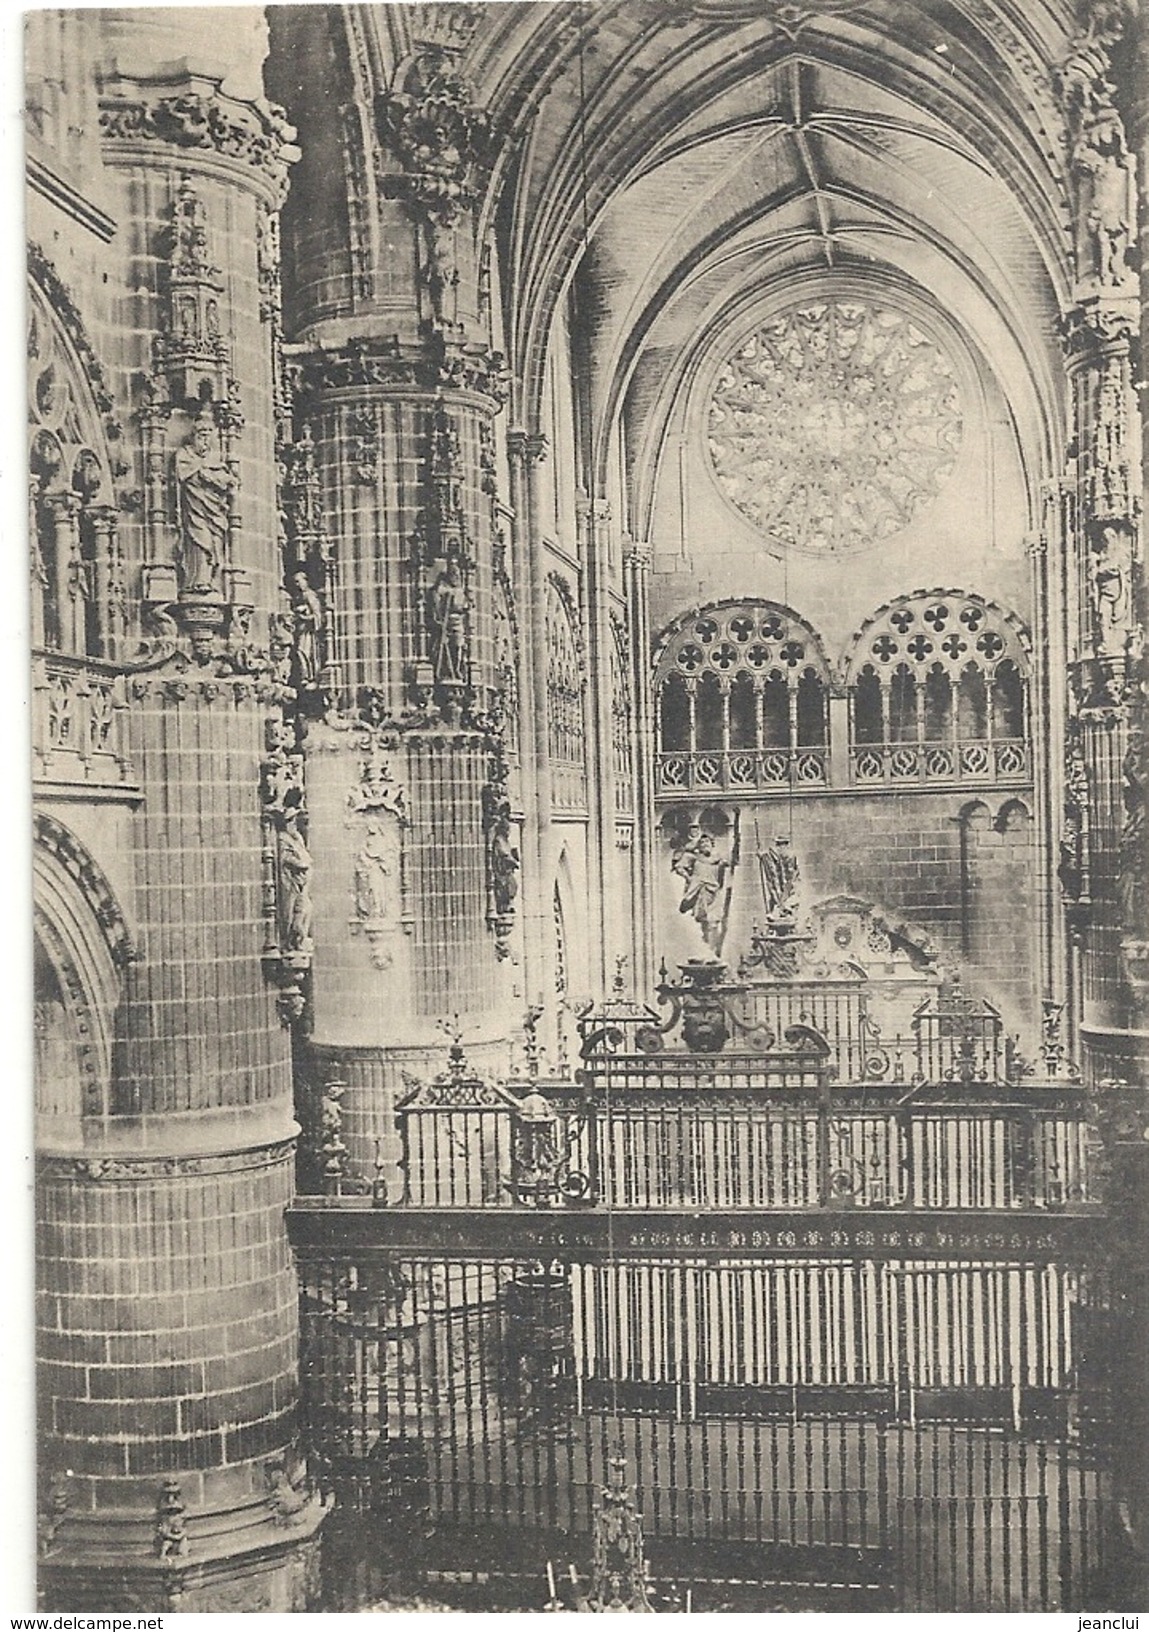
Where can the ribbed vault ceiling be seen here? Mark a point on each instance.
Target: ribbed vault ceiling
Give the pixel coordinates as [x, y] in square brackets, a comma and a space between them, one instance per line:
[692, 159]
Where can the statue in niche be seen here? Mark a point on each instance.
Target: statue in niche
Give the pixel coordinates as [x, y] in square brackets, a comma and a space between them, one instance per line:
[705, 872]
[503, 856]
[190, 257]
[295, 910]
[1102, 164]
[307, 618]
[1132, 857]
[204, 484]
[374, 867]
[450, 615]
[1110, 578]
[778, 867]
[440, 272]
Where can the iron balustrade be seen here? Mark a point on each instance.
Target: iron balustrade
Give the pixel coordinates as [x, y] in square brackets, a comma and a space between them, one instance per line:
[789, 1422]
[696, 1137]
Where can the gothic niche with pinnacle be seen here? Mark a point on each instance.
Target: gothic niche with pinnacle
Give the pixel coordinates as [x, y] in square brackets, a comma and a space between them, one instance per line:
[833, 425]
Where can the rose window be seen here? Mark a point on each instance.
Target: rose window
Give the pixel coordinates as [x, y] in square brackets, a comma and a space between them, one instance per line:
[834, 424]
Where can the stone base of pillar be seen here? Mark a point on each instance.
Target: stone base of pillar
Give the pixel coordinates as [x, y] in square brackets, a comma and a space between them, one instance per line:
[103, 1566]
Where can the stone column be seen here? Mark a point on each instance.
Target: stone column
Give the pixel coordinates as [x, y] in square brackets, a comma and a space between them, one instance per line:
[594, 521]
[1107, 729]
[636, 578]
[400, 700]
[1104, 552]
[167, 1300]
[527, 450]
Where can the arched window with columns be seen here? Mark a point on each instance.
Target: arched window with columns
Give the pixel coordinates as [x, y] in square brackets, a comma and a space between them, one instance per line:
[741, 692]
[939, 692]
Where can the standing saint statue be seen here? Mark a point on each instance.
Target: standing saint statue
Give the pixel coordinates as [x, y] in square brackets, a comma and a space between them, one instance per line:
[1102, 165]
[307, 617]
[449, 607]
[204, 484]
[779, 869]
[373, 867]
[294, 885]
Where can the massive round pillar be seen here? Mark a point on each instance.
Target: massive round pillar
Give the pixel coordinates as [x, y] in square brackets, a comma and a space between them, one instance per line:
[166, 1297]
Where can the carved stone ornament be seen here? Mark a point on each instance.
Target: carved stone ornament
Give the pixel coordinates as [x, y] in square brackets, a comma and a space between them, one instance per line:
[204, 485]
[384, 363]
[192, 352]
[701, 855]
[201, 117]
[503, 861]
[439, 136]
[171, 1537]
[51, 1513]
[1100, 165]
[286, 869]
[57, 841]
[789, 15]
[449, 27]
[378, 807]
[59, 297]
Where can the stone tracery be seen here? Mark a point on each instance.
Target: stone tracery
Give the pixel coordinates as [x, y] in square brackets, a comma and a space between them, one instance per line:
[834, 424]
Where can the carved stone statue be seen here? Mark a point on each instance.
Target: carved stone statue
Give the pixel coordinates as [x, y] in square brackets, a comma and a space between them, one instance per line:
[204, 485]
[1102, 165]
[779, 870]
[374, 866]
[308, 619]
[294, 884]
[449, 609]
[1110, 584]
[705, 873]
[1132, 854]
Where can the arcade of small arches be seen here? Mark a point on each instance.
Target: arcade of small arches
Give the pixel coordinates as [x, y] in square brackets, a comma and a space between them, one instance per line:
[936, 689]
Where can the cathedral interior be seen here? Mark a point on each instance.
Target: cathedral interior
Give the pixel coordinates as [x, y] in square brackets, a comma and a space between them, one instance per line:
[588, 728]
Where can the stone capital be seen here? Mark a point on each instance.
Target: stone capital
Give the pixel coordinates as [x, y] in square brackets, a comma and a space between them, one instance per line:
[1097, 328]
[527, 447]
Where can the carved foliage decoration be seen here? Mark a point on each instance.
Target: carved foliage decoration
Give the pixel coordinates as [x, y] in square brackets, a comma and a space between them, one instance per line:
[834, 424]
[202, 119]
[442, 140]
